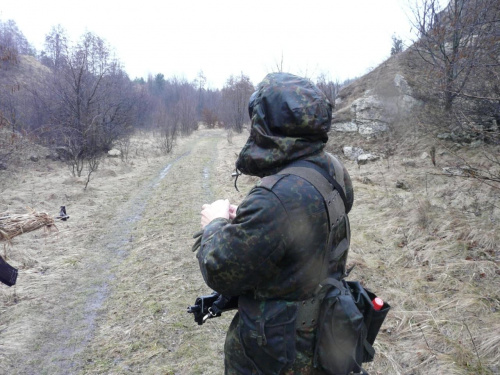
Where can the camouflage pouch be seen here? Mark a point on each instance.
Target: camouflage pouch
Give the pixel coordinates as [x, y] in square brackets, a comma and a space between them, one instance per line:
[267, 333]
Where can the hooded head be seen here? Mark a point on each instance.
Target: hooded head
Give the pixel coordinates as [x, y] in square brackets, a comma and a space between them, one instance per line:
[290, 117]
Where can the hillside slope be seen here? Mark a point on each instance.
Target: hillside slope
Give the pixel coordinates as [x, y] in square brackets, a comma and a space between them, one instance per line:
[425, 228]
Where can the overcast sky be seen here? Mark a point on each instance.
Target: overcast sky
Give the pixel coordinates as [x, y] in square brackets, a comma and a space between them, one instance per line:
[341, 39]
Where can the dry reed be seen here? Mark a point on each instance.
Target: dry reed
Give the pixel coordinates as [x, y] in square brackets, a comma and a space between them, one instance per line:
[12, 225]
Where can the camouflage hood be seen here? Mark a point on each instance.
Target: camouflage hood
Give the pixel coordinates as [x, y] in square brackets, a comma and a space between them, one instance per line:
[291, 118]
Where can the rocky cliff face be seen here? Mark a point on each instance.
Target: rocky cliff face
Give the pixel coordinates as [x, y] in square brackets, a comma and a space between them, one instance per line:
[375, 111]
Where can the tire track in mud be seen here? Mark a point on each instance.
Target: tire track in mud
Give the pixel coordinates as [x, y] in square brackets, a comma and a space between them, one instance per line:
[72, 321]
[207, 188]
[143, 326]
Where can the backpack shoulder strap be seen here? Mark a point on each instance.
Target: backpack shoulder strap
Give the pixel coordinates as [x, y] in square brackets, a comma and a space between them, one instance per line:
[333, 196]
[335, 204]
[337, 182]
[339, 175]
[268, 182]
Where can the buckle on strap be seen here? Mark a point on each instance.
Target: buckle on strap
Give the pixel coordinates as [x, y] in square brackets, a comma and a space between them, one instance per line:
[308, 312]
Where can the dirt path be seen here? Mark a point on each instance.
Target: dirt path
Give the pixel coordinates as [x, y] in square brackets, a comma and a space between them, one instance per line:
[145, 327]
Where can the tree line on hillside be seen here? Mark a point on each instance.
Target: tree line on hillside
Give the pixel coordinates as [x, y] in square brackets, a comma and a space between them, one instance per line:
[460, 45]
[80, 99]
[77, 97]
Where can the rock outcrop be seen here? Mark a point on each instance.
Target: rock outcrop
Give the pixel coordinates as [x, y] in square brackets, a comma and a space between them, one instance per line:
[114, 153]
[359, 155]
[374, 113]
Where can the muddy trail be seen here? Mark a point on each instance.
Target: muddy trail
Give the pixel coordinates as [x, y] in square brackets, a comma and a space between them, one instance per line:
[135, 251]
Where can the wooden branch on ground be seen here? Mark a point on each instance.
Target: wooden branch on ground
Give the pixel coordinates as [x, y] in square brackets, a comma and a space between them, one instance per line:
[12, 225]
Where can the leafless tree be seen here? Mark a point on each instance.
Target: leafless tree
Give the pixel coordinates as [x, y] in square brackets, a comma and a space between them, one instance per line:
[166, 123]
[88, 100]
[123, 145]
[211, 110]
[10, 114]
[210, 118]
[459, 45]
[12, 44]
[186, 107]
[199, 83]
[92, 162]
[235, 96]
[328, 87]
[279, 65]
[56, 48]
[456, 42]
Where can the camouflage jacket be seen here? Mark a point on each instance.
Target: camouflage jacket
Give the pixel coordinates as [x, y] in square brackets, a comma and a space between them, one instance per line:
[272, 252]
[274, 247]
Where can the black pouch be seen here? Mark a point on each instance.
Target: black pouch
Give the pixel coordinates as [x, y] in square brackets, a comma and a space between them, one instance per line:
[267, 333]
[372, 318]
[347, 319]
[341, 331]
[8, 274]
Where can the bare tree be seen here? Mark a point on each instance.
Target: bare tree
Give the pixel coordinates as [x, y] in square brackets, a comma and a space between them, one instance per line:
[456, 41]
[459, 46]
[88, 98]
[200, 83]
[56, 48]
[12, 97]
[279, 65]
[397, 45]
[186, 107]
[235, 96]
[12, 44]
[211, 110]
[92, 162]
[328, 87]
[167, 125]
[210, 118]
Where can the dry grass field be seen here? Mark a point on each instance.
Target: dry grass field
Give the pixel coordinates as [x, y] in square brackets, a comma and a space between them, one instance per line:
[107, 292]
[431, 250]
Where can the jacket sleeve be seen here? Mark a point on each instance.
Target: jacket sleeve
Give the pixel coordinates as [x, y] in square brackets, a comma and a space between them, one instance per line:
[349, 191]
[236, 257]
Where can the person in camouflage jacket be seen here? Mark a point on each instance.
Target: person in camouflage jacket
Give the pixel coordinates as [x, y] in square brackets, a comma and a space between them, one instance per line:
[270, 250]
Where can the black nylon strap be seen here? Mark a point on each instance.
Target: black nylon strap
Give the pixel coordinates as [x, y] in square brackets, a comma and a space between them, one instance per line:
[369, 348]
[336, 283]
